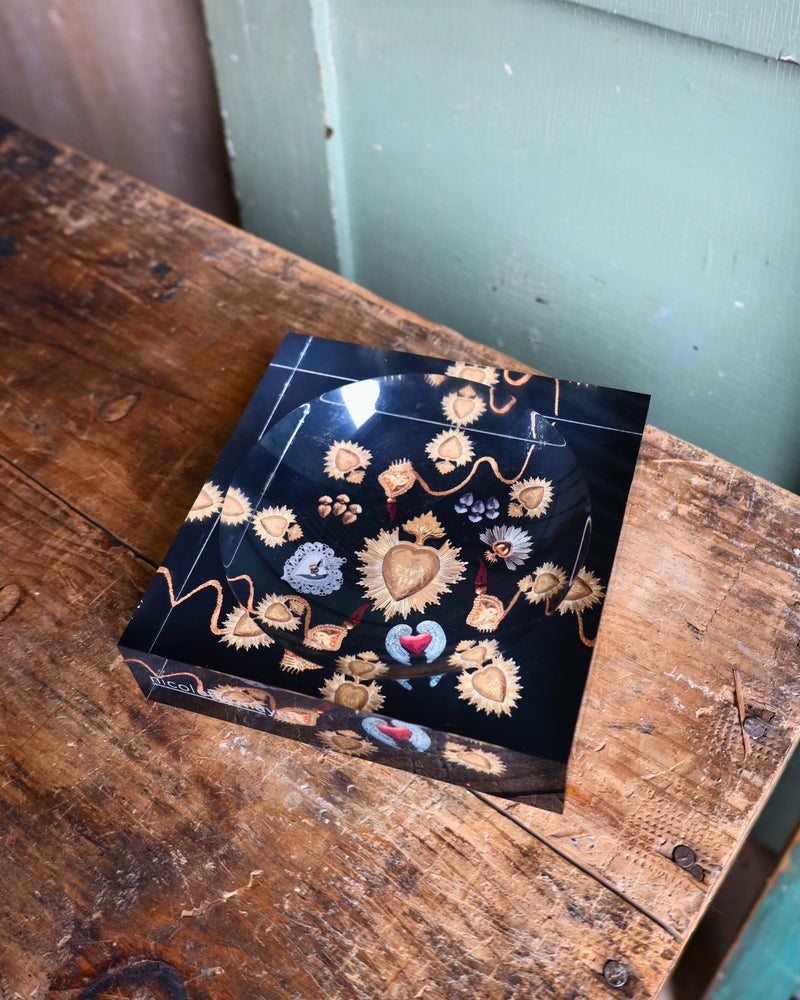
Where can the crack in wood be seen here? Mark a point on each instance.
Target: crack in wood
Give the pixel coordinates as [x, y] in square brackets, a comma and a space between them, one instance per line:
[581, 867]
[113, 540]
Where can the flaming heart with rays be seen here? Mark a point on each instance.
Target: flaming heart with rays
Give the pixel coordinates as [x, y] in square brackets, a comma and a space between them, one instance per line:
[401, 576]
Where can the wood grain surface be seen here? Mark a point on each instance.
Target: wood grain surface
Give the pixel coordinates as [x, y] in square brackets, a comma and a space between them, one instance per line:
[149, 851]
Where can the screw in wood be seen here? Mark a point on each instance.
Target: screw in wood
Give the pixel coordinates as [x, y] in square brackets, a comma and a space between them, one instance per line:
[683, 856]
[754, 728]
[615, 974]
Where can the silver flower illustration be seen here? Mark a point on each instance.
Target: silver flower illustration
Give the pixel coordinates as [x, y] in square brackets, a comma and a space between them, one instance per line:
[512, 545]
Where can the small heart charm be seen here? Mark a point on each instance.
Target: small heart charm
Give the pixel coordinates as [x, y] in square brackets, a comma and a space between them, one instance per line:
[416, 644]
[396, 732]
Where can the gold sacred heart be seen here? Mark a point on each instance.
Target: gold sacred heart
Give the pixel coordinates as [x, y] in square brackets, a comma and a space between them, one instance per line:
[351, 695]
[579, 590]
[545, 583]
[490, 682]
[531, 497]
[346, 460]
[463, 406]
[275, 525]
[326, 636]
[397, 479]
[232, 507]
[278, 612]
[408, 568]
[246, 628]
[487, 612]
[477, 654]
[451, 448]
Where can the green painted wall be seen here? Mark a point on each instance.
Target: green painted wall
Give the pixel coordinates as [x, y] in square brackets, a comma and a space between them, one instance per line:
[601, 197]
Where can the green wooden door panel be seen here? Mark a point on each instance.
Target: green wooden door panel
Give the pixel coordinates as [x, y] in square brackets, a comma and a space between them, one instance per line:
[765, 27]
[766, 961]
[273, 111]
[604, 199]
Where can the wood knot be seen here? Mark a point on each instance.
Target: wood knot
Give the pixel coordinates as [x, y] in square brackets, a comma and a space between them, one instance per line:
[10, 597]
[118, 409]
[139, 978]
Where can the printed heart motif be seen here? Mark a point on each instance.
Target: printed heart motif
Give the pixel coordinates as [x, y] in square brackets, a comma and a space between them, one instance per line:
[277, 612]
[297, 716]
[578, 590]
[416, 644]
[232, 506]
[487, 612]
[246, 627]
[203, 501]
[531, 497]
[346, 743]
[476, 759]
[274, 525]
[351, 695]
[544, 583]
[359, 668]
[346, 460]
[451, 448]
[473, 374]
[477, 654]
[326, 637]
[397, 479]
[490, 682]
[463, 406]
[408, 568]
[396, 732]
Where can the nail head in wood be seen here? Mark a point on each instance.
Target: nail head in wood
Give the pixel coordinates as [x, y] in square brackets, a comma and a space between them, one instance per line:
[683, 856]
[615, 974]
[754, 727]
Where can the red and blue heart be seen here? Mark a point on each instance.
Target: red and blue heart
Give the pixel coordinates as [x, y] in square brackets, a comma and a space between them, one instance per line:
[416, 644]
[402, 642]
[403, 736]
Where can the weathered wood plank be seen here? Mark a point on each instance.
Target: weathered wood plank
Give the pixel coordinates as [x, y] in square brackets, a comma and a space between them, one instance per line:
[705, 582]
[251, 865]
[133, 331]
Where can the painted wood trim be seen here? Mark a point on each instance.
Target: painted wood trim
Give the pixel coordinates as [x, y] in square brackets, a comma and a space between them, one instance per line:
[268, 76]
[770, 28]
[322, 30]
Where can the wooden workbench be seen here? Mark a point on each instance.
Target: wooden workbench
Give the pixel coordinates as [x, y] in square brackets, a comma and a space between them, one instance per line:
[145, 848]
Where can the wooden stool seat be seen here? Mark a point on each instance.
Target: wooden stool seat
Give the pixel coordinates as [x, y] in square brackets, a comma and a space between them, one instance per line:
[151, 848]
